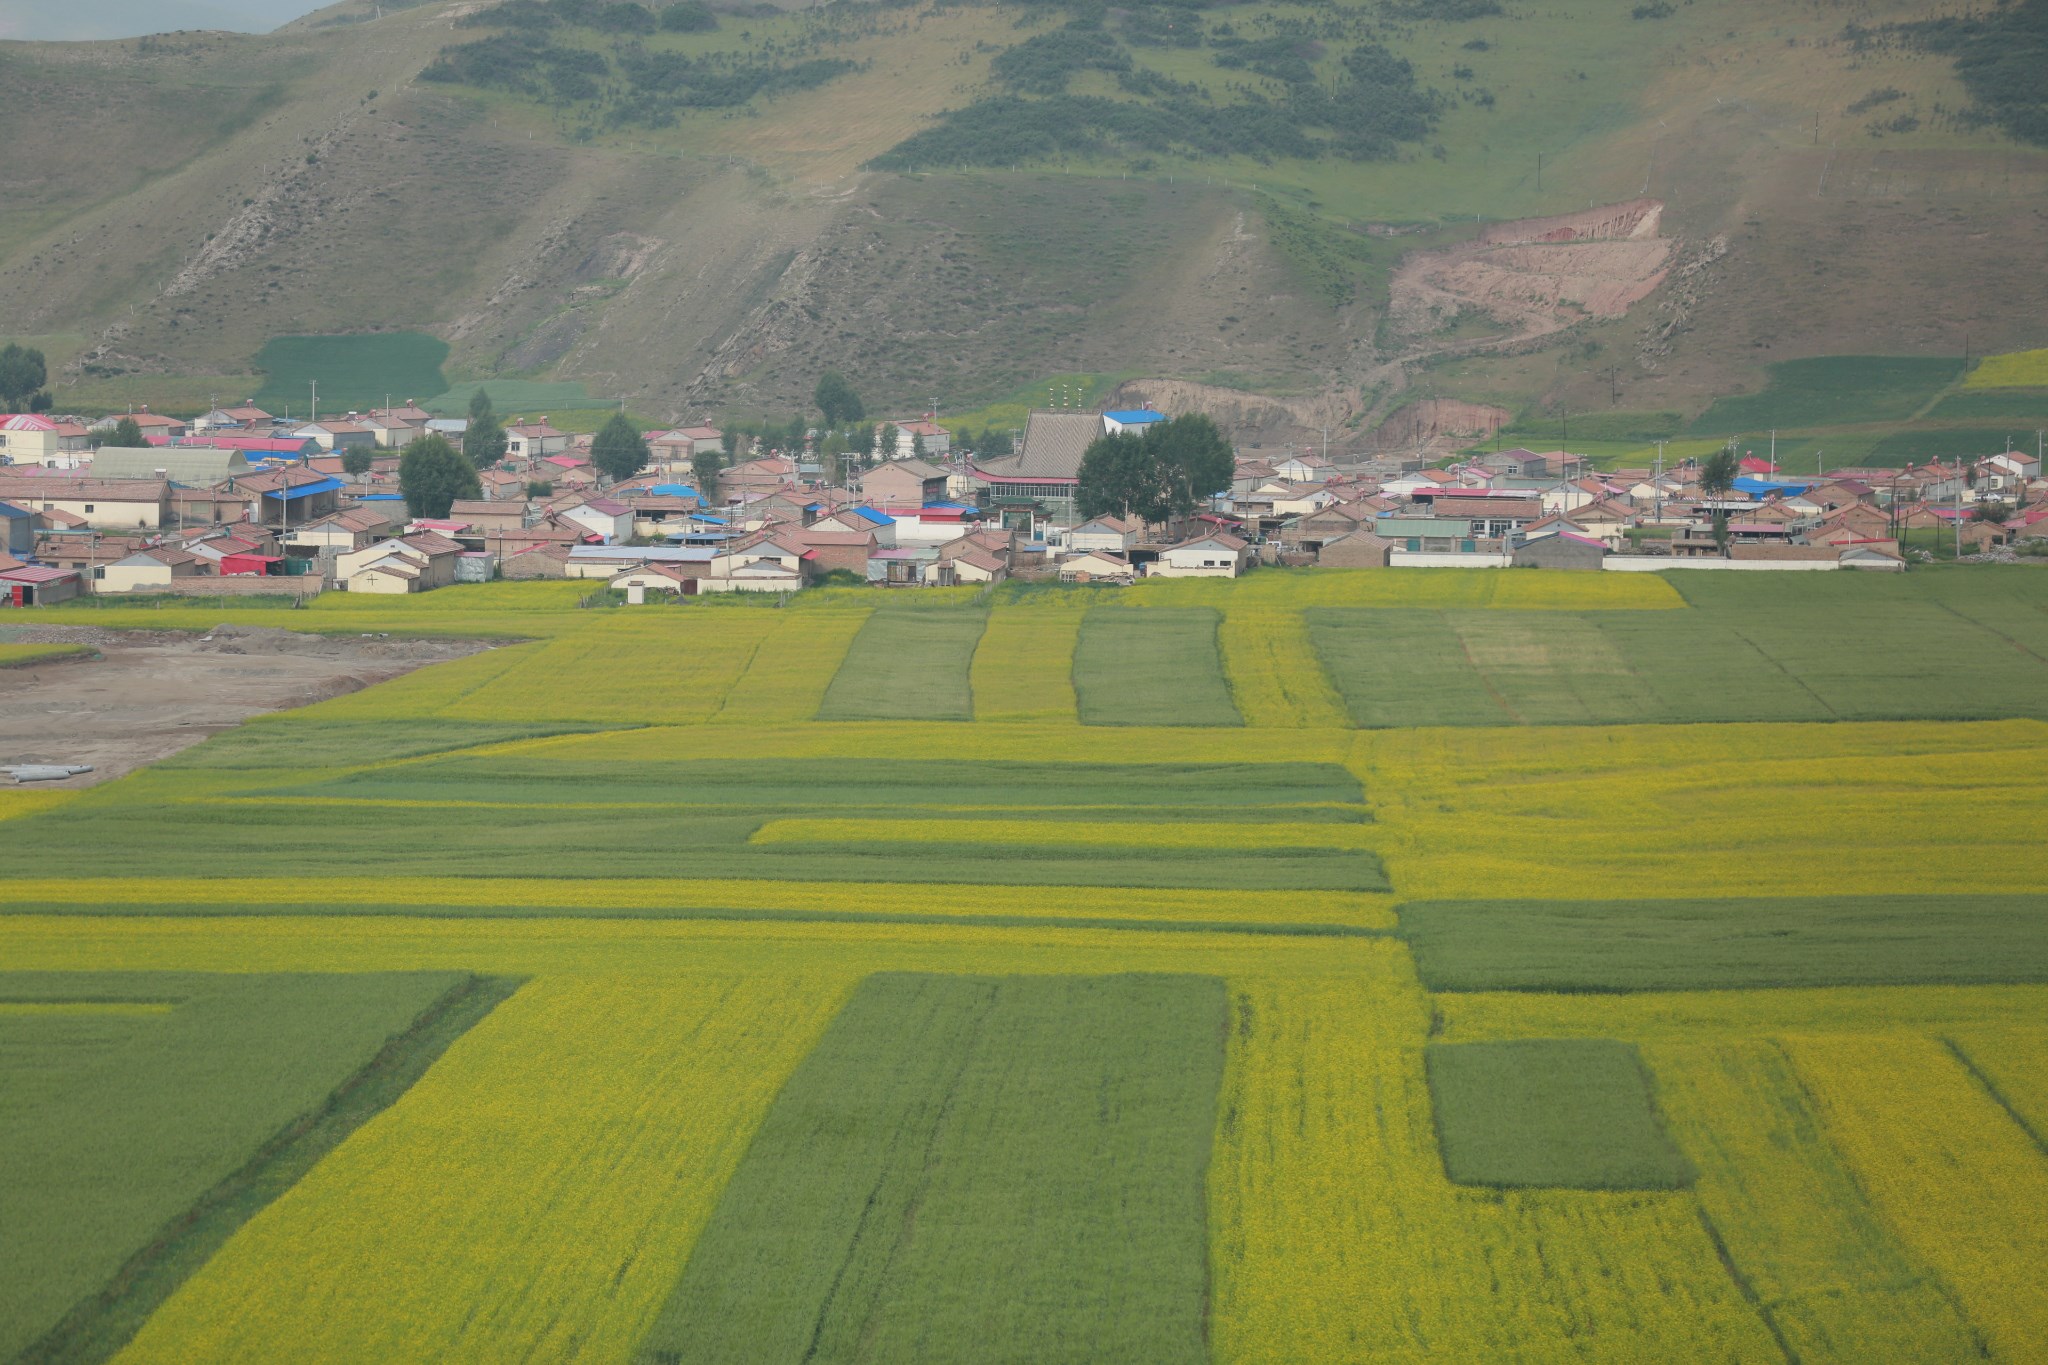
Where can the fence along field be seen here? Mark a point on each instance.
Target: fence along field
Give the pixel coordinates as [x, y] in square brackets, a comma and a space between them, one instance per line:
[550, 811]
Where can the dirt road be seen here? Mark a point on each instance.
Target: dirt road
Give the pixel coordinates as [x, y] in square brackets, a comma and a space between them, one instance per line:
[152, 693]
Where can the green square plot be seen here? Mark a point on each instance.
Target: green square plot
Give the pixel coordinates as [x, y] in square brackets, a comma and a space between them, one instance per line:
[908, 665]
[1152, 666]
[1395, 667]
[1571, 1113]
[147, 1115]
[972, 1168]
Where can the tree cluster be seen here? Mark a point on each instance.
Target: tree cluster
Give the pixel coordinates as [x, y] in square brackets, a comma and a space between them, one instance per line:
[1999, 55]
[619, 449]
[23, 373]
[1168, 471]
[484, 439]
[432, 474]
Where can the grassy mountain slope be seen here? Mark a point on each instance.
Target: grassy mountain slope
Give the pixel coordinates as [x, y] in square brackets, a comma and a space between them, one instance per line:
[189, 198]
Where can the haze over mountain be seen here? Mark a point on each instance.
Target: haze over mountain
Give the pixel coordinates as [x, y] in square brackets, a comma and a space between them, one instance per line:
[1313, 214]
[75, 20]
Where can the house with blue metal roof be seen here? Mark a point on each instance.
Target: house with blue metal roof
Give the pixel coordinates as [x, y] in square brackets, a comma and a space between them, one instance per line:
[1129, 419]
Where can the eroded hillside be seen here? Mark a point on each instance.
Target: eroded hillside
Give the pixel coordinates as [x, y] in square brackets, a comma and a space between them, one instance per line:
[185, 199]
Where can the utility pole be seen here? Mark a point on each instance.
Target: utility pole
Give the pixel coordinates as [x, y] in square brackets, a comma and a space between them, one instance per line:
[1657, 482]
[1774, 452]
[316, 401]
[1539, 172]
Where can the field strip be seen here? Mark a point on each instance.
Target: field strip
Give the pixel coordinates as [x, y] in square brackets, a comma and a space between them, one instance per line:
[446, 1228]
[1276, 677]
[1336, 1236]
[791, 668]
[1785, 1205]
[1197, 834]
[1024, 667]
[1951, 1174]
[957, 1179]
[1017, 741]
[119, 1009]
[643, 947]
[1701, 1015]
[1361, 909]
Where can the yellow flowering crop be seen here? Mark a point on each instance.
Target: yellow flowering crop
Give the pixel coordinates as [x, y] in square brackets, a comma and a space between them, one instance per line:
[791, 668]
[2013, 1060]
[1680, 1016]
[1335, 1234]
[533, 1197]
[1957, 1181]
[1024, 666]
[1276, 676]
[1722, 810]
[1028, 741]
[428, 691]
[666, 667]
[1837, 1285]
[15, 802]
[2013, 370]
[1361, 909]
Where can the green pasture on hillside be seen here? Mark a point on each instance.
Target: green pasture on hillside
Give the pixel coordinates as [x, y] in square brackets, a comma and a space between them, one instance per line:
[511, 398]
[2028, 407]
[1575, 1113]
[356, 371]
[1832, 390]
[971, 1167]
[1152, 666]
[130, 1098]
[303, 742]
[907, 665]
[1698, 945]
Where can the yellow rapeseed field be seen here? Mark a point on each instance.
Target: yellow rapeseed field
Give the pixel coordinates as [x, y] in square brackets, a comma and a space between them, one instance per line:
[792, 667]
[1955, 1179]
[1024, 666]
[1024, 741]
[1336, 1236]
[1275, 675]
[1771, 810]
[661, 668]
[1835, 1283]
[1683, 1016]
[2013, 1059]
[533, 1197]
[428, 691]
[2014, 370]
[14, 801]
[1364, 910]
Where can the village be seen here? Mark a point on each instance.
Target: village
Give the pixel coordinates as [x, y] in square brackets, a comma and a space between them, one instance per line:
[238, 502]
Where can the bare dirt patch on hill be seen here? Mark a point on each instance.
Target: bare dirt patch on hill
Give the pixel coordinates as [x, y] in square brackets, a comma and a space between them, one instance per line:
[152, 693]
[1530, 278]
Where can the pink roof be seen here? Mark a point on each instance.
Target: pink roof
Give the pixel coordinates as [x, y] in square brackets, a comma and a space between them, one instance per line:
[564, 461]
[36, 573]
[26, 421]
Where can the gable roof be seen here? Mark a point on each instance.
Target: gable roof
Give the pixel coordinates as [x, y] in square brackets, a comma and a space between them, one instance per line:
[1053, 445]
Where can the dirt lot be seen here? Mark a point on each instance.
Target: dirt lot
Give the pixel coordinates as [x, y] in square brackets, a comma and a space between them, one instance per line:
[152, 693]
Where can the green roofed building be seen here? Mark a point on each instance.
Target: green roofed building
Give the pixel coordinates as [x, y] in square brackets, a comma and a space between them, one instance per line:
[195, 466]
